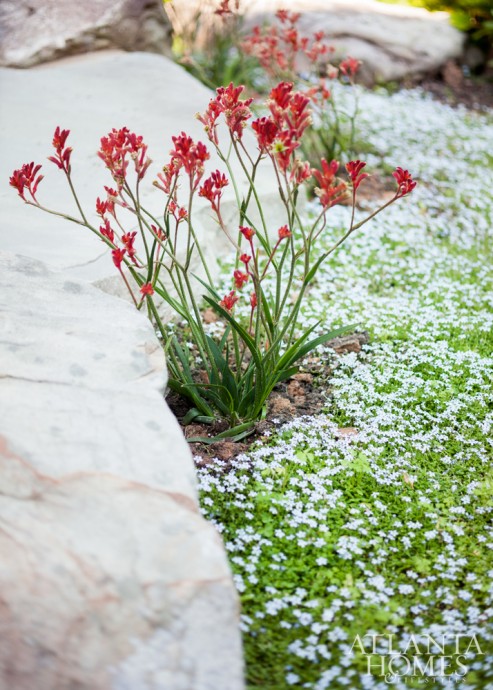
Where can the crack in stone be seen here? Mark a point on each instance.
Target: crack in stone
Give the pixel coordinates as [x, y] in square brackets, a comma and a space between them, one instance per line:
[25, 378]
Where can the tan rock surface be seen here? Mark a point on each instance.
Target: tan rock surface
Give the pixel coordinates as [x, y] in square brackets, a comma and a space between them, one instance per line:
[34, 31]
[393, 41]
[110, 578]
[90, 95]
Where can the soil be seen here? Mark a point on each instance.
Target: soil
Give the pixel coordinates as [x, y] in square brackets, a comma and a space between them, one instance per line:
[306, 393]
[452, 86]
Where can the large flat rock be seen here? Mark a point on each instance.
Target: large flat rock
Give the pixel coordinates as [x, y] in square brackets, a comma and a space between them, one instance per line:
[34, 31]
[111, 577]
[90, 95]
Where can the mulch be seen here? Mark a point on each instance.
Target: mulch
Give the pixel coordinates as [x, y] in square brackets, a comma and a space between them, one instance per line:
[453, 87]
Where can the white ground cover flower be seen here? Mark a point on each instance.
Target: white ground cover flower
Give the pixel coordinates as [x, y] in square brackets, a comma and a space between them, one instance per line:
[390, 533]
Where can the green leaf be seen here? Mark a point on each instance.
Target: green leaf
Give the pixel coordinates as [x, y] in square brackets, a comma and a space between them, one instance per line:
[361, 464]
[323, 339]
[173, 303]
[182, 357]
[286, 374]
[224, 339]
[209, 391]
[268, 315]
[263, 241]
[187, 391]
[207, 287]
[228, 380]
[235, 434]
[190, 416]
[277, 377]
[311, 273]
[289, 356]
[247, 339]
[461, 20]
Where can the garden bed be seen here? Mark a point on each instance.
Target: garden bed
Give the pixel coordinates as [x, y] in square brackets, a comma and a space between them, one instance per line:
[386, 530]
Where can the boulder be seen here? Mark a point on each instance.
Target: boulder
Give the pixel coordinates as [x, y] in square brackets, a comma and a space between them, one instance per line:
[111, 578]
[34, 31]
[392, 41]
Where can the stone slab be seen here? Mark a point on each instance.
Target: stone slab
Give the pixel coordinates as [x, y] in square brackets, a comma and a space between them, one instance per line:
[34, 31]
[89, 95]
[111, 580]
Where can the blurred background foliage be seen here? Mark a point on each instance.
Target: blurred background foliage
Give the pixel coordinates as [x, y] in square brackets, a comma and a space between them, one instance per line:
[475, 17]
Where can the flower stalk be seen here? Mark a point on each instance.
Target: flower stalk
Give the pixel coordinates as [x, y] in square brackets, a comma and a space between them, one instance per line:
[262, 344]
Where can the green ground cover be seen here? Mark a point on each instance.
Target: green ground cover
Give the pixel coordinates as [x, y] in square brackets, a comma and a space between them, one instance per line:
[390, 531]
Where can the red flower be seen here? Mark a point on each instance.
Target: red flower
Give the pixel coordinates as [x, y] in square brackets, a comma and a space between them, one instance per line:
[111, 198]
[235, 110]
[107, 231]
[284, 232]
[229, 301]
[128, 240]
[62, 158]
[186, 153]
[319, 93]
[168, 177]
[247, 233]
[236, 119]
[285, 16]
[266, 131]
[179, 212]
[191, 156]
[212, 188]
[283, 147]
[59, 138]
[278, 48]
[245, 258]
[349, 66]
[229, 96]
[280, 95]
[329, 191]
[224, 9]
[291, 37]
[240, 278]
[112, 193]
[354, 169]
[332, 72]
[253, 300]
[299, 116]
[209, 119]
[301, 171]
[208, 190]
[220, 180]
[25, 178]
[117, 147]
[160, 234]
[282, 15]
[117, 255]
[147, 289]
[101, 207]
[405, 182]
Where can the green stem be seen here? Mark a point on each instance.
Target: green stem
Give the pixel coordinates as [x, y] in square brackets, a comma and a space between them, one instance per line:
[69, 179]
